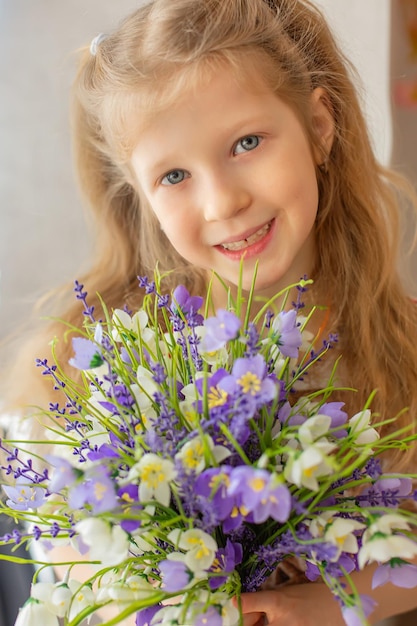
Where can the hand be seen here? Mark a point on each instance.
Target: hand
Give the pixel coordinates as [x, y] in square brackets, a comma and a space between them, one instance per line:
[298, 605]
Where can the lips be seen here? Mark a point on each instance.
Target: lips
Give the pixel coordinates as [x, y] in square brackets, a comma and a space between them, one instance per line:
[248, 239]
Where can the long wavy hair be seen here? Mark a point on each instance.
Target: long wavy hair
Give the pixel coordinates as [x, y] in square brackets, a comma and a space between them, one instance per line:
[145, 64]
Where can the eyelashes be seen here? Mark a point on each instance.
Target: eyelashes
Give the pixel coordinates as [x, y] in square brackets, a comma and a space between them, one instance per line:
[245, 144]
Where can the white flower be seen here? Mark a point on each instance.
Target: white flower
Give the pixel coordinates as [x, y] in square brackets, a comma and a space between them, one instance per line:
[155, 474]
[108, 544]
[363, 433]
[304, 469]
[192, 456]
[218, 357]
[385, 524]
[82, 597]
[35, 613]
[380, 544]
[313, 429]
[340, 533]
[382, 549]
[133, 589]
[56, 597]
[137, 323]
[199, 546]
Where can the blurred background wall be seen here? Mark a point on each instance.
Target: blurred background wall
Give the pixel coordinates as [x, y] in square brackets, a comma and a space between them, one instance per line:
[43, 240]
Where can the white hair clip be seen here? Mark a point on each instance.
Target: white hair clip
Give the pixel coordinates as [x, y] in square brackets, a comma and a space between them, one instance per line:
[96, 42]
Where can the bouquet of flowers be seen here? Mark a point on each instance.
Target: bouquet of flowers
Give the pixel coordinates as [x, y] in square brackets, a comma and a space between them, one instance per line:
[185, 469]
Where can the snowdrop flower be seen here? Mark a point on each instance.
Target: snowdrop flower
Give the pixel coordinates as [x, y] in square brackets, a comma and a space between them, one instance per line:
[56, 597]
[108, 544]
[138, 324]
[125, 592]
[314, 428]
[155, 474]
[34, 613]
[200, 548]
[381, 545]
[82, 597]
[361, 430]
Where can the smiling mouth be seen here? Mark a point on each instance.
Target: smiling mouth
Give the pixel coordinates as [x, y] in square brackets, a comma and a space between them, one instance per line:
[249, 241]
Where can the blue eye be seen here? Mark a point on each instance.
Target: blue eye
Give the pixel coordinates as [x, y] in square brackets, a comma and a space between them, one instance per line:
[174, 177]
[250, 142]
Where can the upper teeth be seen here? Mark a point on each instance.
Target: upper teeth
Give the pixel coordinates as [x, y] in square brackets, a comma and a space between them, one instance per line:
[244, 243]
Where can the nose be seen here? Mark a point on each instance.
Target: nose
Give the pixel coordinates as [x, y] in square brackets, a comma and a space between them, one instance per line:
[224, 197]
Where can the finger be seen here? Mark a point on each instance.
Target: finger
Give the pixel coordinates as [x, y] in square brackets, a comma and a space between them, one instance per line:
[256, 602]
[253, 619]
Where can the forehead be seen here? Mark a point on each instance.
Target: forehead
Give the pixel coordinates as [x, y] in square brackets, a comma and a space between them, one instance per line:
[141, 109]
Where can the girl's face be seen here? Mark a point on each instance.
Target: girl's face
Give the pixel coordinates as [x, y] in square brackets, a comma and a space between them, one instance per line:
[230, 175]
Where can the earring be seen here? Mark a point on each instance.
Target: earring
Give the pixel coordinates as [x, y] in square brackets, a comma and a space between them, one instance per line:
[324, 167]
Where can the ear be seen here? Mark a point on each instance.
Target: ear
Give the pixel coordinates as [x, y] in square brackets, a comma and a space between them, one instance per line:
[323, 124]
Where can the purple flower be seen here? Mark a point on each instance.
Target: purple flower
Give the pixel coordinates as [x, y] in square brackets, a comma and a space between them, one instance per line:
[338, 417]
[249, 377]
[24, 496]
[396, 571]
[211, 617]
[220, 330]
[96, 489]
[187, 303]
[144, 617]
[259, 495]
[87, 354]
[64, 473]
[175, 575]
[225, 562]
[353, 614]
[211, 485]
[129, 494]
[286, 333]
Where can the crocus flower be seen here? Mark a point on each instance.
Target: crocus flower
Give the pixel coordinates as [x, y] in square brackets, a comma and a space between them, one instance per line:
[96, 489]
[353, 615]
[249, 377]
[396, 571]
[24, 495]
[175, 574]
[219, 330]
[87, 354]
[225, 562]
[64, 473]
[287, 333]
[181, 298]
[259, 494]
[144, 617]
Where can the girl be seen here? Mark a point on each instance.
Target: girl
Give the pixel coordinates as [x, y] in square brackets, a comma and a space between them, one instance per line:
[211, 131]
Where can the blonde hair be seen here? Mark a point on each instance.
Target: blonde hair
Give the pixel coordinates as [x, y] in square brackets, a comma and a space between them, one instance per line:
[145, 64]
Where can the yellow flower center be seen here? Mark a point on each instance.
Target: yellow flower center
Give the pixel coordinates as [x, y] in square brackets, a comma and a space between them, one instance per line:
[250, 383]
[309, 471]
[200, 548]
[257, 484]
[153, 475]
[192, 456]
[99, 491]
[216, 397]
